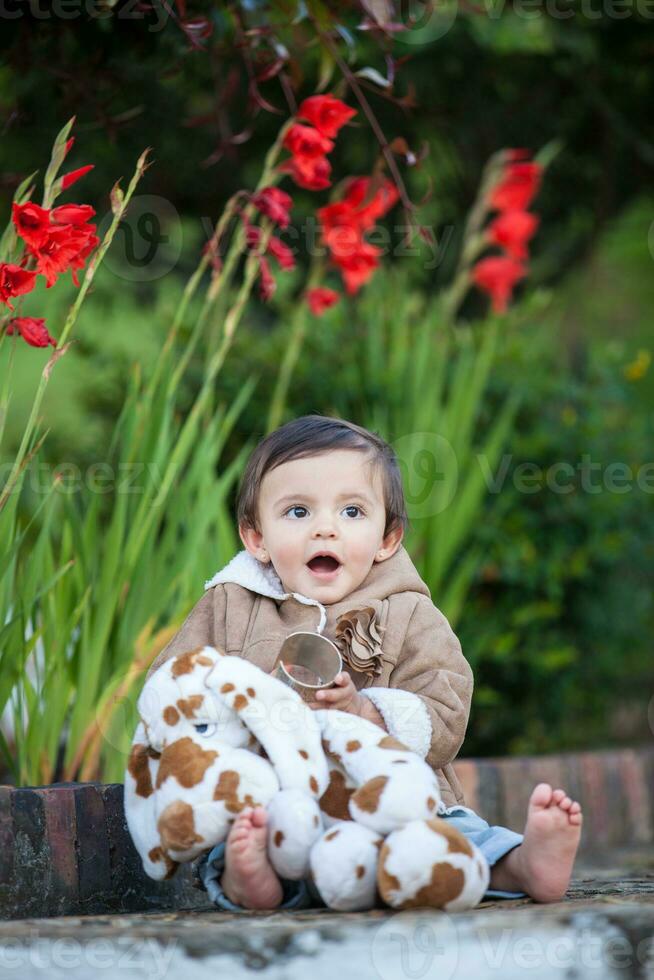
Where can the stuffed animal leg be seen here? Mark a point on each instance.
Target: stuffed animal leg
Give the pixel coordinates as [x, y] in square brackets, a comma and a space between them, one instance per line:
[344, 866]
[429, 863]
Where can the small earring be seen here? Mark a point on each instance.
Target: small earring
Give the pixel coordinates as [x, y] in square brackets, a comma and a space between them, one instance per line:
[263, 556]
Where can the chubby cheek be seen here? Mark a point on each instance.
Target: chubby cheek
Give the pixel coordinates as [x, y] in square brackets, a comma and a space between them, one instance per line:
[288, 556]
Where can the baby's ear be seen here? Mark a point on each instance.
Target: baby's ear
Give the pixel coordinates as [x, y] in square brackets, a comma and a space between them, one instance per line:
[252, 539]
[390, 544]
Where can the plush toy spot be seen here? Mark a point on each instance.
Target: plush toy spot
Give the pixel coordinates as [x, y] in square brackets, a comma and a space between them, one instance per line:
[240, 702]
[360, 871]
[431, 802]
[188, 706]
[389, 742]
[171, 715]
[331, 835]
[313, 784]
[176, 827]
[353, 745]
[226, 688]
[386, 882]
[278, 838]
[227, 791]
[367, 796]
[139, 769]
[186, 761]
[334, 801]
[456, 842]
[185, 662]
[446, 884]
[251, 692]
[303, 753]
[157, 854]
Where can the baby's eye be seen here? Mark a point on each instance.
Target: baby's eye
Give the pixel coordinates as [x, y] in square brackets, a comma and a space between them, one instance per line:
[300, 507]
[206, 729]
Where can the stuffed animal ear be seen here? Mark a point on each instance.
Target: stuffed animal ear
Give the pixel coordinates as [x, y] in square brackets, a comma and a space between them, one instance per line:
[278, 718]
[140, 806]
[430, 863]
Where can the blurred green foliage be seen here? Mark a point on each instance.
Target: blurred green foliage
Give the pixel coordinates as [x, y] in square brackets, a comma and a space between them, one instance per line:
[559, 620]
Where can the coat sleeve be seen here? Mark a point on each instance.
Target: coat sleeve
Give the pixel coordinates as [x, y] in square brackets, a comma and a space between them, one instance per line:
[427, 703]
[204, 626]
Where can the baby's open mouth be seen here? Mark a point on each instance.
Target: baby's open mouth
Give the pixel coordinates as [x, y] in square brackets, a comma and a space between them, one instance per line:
[323, 564]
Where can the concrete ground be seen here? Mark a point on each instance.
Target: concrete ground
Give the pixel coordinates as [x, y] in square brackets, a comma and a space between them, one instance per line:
[603, 928]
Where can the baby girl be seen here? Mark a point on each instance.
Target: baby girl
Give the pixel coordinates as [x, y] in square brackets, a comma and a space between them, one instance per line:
[321, 514]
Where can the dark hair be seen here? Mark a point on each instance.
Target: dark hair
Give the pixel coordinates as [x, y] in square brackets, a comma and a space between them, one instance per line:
[312, 435]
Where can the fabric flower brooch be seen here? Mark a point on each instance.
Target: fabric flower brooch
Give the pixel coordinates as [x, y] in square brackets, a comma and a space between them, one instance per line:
[358, 637]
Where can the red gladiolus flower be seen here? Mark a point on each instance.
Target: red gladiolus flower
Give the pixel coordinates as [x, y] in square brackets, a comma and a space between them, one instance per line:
[72, 214]
[14, 281]
[497, 275]
[32, 329]
[31, 222]
[358, 268]
[71, 178]
[512, 230]
[369, 211]
[280, 251]
[326, 113]
[343, 240]
[321, 298]
[275, 204]
[306, 142]
[267, 284]
[313, 175]
[517, 187]
[67, 247]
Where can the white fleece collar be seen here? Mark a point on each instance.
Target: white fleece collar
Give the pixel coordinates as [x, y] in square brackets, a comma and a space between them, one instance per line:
[245, 570]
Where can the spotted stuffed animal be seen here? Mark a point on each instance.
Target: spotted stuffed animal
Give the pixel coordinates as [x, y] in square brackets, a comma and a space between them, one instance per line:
[348, 805]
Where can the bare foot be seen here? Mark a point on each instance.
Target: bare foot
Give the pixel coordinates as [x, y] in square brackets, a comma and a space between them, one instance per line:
[542, 864]
[249, 879]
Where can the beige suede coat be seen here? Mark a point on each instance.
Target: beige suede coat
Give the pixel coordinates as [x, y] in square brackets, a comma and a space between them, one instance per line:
[424, 688]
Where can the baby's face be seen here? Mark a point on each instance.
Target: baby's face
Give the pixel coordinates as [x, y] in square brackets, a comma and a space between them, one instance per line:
[326, 503]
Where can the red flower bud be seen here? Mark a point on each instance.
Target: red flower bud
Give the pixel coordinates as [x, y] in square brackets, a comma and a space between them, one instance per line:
[321, 298]
[517, 187]
[275, 204]
[326, 113]
[32, 330]
[512, 230]
[497, 275]
[71, 178]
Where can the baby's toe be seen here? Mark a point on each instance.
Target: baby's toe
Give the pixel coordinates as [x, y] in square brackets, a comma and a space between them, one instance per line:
[565, 803]
[575, 816]
[558, 795]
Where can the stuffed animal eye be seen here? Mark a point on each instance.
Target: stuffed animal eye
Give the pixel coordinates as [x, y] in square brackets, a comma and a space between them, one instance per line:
[205, 729]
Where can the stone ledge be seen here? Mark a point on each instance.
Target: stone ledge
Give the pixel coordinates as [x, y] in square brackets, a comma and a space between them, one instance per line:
[65, 848]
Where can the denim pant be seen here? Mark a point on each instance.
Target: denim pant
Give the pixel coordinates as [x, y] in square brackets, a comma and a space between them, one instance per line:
[493, 842]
